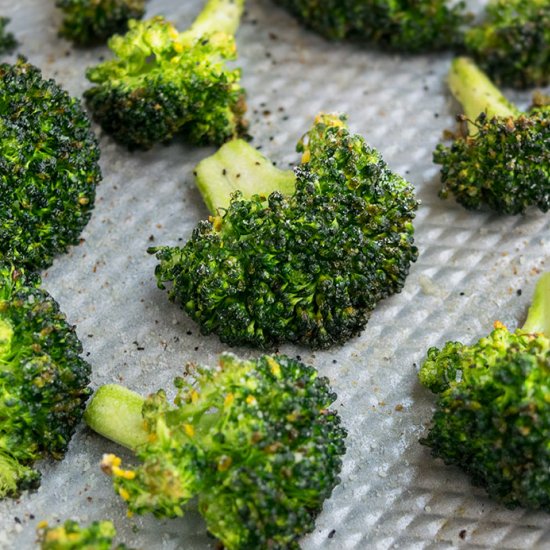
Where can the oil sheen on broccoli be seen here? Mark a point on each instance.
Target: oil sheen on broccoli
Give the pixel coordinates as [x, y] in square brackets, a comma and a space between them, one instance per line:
[254, 440]
[7, 40]
[48, 167]
[88, 22]
[513, 42]
[43, 380]
[99, 535]
[163, 83]
[504, 161]
[299, 256]
[492, 416]
[410, 26]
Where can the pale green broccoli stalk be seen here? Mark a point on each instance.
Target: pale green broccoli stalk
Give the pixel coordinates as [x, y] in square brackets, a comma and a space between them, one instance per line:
[99, 535]
[88, 22]
[504, 161]
[492, 416]
[513, 42]
[163, 83]
[253, 440]
[299, 256]
[43, 380]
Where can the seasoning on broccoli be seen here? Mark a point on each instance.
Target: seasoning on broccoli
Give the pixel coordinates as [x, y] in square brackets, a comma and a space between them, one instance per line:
[410, 26]
[43, 380]
[254, 440]
[492, 416]
[7, 40]
[513, 42]
[88, 22]
[504, 162]
[298, 257]
[163, 83]
[99, 535]
[48, 167]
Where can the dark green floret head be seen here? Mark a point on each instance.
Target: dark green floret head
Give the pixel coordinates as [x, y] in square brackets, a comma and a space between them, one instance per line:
[89, 22]
[255, 441]
[43, 380]
[48, 167]
[492, 414]
[504, 161]
[98, 535]
[513, 42]
[410, 26]
[7, 40]
[162, 83]
[305, 265]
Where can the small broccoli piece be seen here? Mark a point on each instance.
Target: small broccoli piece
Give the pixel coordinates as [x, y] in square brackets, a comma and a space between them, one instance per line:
[492, 414]
[513, 42]
[163, 83]
[306, 264]
[88, 22]
[7, 40]
[43, 380]
[48, 167]
[98, 535]
[254, 440]
[504, 162]
[410, 26]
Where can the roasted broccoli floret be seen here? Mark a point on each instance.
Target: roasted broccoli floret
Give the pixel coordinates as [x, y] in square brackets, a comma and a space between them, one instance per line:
[492, 414]
[409, 26]
[513, 42]
[99, 535]
[7, 40]
[88, 22]
[504, 161]
[254, 440]
[43, 380]
[48, 167]
[299, 256]
[162, 83]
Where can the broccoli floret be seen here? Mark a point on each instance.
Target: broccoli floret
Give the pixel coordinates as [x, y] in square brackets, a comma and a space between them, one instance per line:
[88, 22]
[163, 83]
[504, 161]
[410, 26]
[254, 440]
[492, 414]
[43, 380]
[99, 535]
[7, 40]
[309, 262]
[513, 42]
[48, 167]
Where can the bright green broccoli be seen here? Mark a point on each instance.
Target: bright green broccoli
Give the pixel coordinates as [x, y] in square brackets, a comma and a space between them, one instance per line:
[43, 380]
[410, 26]
[492, 415]
[7, 40]
[253, 440]
[504, 162]
[98, 535]
[309, 262]
[163, 83]
[513, 42]
[48, 167]
[88, 22]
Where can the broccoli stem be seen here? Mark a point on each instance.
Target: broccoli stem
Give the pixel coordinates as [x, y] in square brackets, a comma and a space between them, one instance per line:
[115, 413]
[476, 93]
[217, 16]
[239, 166]
[538, 317]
